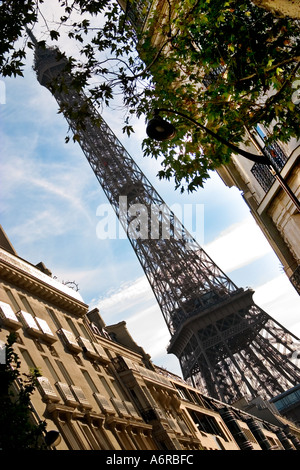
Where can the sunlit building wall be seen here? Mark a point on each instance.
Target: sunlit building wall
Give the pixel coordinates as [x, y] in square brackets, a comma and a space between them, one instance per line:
[98, 388]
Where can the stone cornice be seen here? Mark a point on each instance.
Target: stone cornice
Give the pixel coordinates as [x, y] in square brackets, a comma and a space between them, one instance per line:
[26, 276]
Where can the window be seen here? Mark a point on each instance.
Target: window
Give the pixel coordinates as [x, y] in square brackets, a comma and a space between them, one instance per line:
[90, 381]
[27, 305]
[64, 372]
[72, 327]
[119, 390]
[51, 369]
[207, 424]
[276, 155]
[261, 132]
[108, 391]
[12, 300]
[38, 345]
[197, 398]
[182, 393]
[90, 438]
[288, 400]
[54, 318]
[28, 359]
[84, 331]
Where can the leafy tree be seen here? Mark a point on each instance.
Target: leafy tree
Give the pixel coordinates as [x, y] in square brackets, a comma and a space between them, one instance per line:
[230, 66]
[17, 430]
[227, 64]
[14, 16]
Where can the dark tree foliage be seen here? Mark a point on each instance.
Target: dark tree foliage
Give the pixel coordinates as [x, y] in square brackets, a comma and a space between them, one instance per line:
[17, 430]
[230, 66]
[13, 17]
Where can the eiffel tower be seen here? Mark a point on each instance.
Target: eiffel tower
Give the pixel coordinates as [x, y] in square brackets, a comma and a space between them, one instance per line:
[227, 346]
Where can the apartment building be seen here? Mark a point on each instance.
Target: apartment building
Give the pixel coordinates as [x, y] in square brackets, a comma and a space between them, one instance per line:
[98, 388]
[269, 203]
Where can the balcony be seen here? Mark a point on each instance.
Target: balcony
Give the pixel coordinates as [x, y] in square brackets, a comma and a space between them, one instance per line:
[133, 412]
[93, 350]
[212, 76]
[104, 404]
[121, 408]
[66, 394]
[154, 376]
[263, 176]
[29, 324]
[48, 336]
[47, 391]
[87, 347]
[276, 155]
[36, 327]
[261, 173]
[8, 317]
[73, 396]
[122, 364]
[81, 398]
[69, 340]
[102, 356]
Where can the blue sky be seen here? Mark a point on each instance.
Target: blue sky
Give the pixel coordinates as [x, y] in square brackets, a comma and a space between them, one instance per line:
[50, 198]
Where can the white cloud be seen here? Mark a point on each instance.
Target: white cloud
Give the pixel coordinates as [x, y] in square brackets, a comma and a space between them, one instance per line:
[48, 196]
[45, 223]
[129, 292]
[239, 245]
[280, 300]
[135, 303]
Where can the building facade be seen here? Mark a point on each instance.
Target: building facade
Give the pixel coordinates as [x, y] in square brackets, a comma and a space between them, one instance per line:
[270, 204]
[99, 389]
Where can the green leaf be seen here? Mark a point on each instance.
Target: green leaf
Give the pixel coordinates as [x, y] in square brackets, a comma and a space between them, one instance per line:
[54, 35]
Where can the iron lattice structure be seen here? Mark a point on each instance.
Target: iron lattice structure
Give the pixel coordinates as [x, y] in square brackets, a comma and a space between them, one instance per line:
[227, 346]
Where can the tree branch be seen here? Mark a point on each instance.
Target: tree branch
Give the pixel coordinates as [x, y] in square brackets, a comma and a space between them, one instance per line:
[270, 69]
[274, 97]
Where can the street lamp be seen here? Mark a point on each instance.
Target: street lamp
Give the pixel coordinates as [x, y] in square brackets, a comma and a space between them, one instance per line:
[159, 129]
[52, 438]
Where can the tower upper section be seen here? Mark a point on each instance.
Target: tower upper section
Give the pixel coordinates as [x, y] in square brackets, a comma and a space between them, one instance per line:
[49, 64]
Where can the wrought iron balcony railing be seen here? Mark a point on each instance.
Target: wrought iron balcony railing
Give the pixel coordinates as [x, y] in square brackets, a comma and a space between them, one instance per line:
[262, 173]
